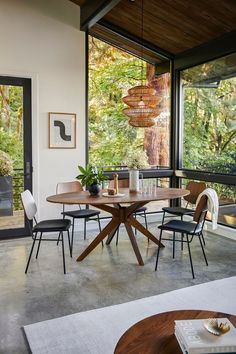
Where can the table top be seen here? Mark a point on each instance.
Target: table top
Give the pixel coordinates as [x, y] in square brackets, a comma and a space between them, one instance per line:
[129, 197]
[155, 334]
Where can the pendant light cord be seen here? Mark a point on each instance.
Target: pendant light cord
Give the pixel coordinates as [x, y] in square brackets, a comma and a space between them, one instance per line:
[142, 41]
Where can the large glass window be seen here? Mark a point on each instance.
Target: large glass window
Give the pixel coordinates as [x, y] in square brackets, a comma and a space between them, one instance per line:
[111, 73]
[227, 202]
[209, 116]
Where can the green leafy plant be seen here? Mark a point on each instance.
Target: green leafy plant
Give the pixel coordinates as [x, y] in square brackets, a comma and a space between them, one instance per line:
[90, 175]
[6, 164]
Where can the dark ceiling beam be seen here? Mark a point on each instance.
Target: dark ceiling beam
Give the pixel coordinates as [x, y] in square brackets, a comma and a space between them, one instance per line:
[92, 11]
[162, 53]
[216, 48]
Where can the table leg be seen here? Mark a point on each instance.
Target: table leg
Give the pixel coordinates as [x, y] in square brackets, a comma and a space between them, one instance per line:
[111, 235]
[107, 230]
[134, 243]
[134, 222]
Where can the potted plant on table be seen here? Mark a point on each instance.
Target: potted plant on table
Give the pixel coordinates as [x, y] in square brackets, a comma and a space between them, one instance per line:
[92, 178]
[6, 169]
[135, 161]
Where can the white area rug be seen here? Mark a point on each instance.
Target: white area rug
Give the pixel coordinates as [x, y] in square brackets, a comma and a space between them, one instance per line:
[98, 331]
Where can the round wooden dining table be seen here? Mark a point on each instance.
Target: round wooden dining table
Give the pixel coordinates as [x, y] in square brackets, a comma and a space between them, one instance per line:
[122, 209]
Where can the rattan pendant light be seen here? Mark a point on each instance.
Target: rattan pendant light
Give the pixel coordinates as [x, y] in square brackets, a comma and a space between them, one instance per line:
[142, 100]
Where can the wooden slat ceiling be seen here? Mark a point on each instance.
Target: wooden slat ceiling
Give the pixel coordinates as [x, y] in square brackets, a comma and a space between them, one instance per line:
[175, 26]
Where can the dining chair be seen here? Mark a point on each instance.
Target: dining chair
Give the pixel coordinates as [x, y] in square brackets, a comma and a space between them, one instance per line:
[86, 214]
[124, 183]
[195, 188]
[49, 226]
[190, 229]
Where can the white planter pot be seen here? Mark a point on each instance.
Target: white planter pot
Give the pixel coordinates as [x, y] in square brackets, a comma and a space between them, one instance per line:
[134, 180]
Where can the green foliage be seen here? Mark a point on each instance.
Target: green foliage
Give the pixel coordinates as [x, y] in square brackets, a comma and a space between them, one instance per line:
[111, 73]
[6, 165]
[90, 176]
[209, 128]
[11, 135]
[10, 143]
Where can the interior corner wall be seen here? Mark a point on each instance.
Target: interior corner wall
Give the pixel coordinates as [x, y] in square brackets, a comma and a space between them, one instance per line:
[41, 40]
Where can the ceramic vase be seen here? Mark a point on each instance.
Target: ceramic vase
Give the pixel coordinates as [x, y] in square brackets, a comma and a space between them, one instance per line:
[94, 189]
[134, 180]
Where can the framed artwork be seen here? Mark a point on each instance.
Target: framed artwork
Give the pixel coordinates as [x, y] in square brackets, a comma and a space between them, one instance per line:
[62, 130]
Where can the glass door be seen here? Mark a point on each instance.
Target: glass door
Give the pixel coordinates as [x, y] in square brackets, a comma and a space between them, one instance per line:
[15, 153]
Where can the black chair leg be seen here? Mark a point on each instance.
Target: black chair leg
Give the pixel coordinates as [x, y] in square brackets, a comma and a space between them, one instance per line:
[163, 218]
[40, 238]
[117, 235]
[68, 233]
[100, 229]
[204, 254]
[190, 257]
[173, 244]
[31, 251]
[63, 253]
[182, 237]
[85, 229]
[158, 251]
[203, 239]
[58, 240]
[72, 237]
[146, 224]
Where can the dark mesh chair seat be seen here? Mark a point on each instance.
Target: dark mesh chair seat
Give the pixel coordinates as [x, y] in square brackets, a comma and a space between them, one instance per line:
[181, 226]
[179, 211]
[140, 210]
[83, 213]
[56, 225]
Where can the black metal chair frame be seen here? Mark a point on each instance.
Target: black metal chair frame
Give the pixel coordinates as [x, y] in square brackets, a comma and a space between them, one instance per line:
[182, 211]
[188, 240]
[86, 219]
[34, 237]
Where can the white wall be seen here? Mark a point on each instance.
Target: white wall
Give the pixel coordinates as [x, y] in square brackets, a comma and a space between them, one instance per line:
[41, 39]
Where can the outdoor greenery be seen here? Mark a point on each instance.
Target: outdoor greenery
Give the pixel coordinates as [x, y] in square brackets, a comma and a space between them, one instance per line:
[210, 121]
[111, 73]
[209, 113]
[209, 130]
[6, 166]
[11, 117]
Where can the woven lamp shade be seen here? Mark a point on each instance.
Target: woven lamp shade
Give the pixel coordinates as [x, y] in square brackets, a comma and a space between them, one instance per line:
[142, 102]
[141, 112]
[149, 101]
[140, 90]
[142, 123]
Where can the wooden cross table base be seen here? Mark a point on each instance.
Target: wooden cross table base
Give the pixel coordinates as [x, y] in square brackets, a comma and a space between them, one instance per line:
[120, 214]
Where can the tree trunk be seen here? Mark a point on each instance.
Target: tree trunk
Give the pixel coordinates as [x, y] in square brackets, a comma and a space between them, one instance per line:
[156, 138]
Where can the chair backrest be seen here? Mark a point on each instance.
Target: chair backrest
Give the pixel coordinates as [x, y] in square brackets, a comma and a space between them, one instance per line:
[195, 189]
[201, 209]
[122, 183]
[68, 187]
[29, 204]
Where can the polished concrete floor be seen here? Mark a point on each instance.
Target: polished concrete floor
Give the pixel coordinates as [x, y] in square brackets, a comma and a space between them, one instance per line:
[110, 275]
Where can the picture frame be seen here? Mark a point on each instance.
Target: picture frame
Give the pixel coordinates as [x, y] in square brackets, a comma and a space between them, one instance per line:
[62, 130]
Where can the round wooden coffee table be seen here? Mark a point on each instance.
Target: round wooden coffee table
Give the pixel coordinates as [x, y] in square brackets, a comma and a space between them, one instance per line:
[155, 334]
